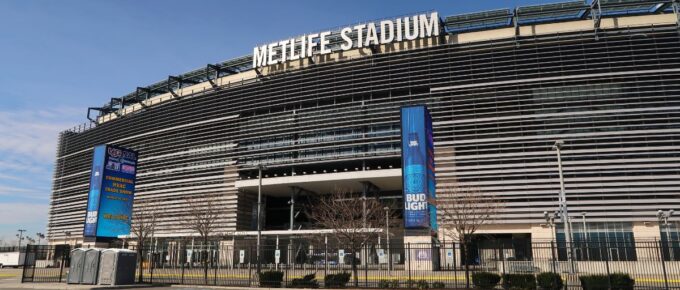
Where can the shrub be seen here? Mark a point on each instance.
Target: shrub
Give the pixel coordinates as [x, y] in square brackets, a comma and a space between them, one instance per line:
[549, 281]
[308, 281]
[622, 281]
[485, 280]
[438, 285]
[519, 281]
[384, 284]
[410, 283]
[422, 284]
[336, 280]
[271, 279]
[394, 284]
[594, 282]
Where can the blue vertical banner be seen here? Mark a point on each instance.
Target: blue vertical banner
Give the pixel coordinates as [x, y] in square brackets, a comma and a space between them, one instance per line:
[417, 155]
[112, 189]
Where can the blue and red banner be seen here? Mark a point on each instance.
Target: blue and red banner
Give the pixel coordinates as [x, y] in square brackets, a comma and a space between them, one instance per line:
[112, 191]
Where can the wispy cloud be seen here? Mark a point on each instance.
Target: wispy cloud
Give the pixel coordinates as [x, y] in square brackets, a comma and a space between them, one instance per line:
[27, 155]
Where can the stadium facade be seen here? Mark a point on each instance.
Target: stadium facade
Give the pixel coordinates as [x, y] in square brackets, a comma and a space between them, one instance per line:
[502, 87]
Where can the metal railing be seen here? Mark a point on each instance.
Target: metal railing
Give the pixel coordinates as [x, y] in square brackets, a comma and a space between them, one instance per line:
[655, 264]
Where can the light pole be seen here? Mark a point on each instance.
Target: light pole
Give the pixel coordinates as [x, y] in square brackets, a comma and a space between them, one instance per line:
[259, 213]
[68, 236]
[20, 235]
[663, 217]
[387, 238]
[585, 235]
[40, 237]
[563, 202]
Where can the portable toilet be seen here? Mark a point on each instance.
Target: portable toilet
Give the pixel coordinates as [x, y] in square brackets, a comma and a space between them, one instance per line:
[75, 272]
[117, 267]
[91, 267]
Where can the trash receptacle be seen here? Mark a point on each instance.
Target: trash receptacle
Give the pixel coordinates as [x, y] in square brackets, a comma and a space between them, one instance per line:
[75, 271]
[117, 267]
[90, 267]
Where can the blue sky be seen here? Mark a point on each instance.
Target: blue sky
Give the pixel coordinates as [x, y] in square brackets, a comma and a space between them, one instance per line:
[59, 57]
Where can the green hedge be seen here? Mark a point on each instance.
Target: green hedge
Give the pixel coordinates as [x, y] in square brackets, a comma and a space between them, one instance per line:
[485, 280]
[619, 281]
[271, 279]
[308, 281]
[438, 285]
[519, 281]
[336, 280]
[422, 284]
[549, 281]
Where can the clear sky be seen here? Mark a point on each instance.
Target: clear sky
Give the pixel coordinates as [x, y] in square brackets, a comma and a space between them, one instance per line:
[59, 57]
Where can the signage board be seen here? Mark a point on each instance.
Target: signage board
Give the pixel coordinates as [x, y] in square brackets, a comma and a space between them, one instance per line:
[417, 154]
[241, 256]
[341, 256]
[367, 35]
[112, 190]
[277, 256]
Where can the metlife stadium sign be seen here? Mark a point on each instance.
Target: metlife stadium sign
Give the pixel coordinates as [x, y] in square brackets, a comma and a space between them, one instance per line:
[112, 190]
[367, 34]
[417, 155]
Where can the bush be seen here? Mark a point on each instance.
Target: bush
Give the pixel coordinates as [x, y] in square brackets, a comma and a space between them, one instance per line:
[394, 284]
[622, 281]
[422, 284]
[308, 281]
[384, 284]
[549, 281]
[438, 285]
[271, 279]
[336, 280]
[410, 283]
[519, 281]
[619, 281]
[485, 280]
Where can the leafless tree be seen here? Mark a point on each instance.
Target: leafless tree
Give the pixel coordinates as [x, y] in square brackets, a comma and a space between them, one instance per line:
[353, 224]
[144, 221]
[203, 217]
[463, 210]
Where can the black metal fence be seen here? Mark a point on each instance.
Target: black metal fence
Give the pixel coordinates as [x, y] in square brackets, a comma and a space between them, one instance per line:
[653, 264]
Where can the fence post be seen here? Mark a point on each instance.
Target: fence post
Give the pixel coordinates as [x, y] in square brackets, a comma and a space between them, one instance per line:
[408, 255]
[663, 264]
[250, 271]
[23, 265]
[606, 260]
[61, 268]
[153, 260]
[502, 254]
[455, 271]
[366, 266]
[552, 253]
[181, 255]
[216, 260]
[325, 260]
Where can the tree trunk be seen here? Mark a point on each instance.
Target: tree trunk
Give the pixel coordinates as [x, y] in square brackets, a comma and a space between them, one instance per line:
[140, 254]
[205, 260]
[466, 257]
[355, 269]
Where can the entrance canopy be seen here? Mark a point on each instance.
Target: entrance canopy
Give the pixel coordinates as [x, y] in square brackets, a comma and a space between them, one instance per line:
[384, 179]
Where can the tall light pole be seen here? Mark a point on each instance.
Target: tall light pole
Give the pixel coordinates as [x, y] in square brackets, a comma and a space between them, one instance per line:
[20, 236]
[259, 213]
[68, 236]
[387, 238]
[563, 202]
[585, 235]
[663, 217]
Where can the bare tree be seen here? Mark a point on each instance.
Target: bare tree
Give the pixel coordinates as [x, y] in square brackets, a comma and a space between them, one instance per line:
[203, 218]
[144, 221]
[353, 224]
[463, 210]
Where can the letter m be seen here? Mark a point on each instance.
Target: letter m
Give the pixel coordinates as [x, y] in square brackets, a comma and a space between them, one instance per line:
[429, 27]
[259, 56]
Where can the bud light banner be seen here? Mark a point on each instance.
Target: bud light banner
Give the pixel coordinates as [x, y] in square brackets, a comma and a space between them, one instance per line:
[112, 190]
[417, 155]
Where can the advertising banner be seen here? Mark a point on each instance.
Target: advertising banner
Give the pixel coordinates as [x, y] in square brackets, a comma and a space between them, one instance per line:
[417, 154]
[112, 188]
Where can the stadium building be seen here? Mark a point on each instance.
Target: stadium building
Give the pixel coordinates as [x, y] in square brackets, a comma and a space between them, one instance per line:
[322, 112]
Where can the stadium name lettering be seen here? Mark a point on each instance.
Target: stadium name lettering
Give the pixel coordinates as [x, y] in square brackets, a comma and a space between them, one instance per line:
[386, 31]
